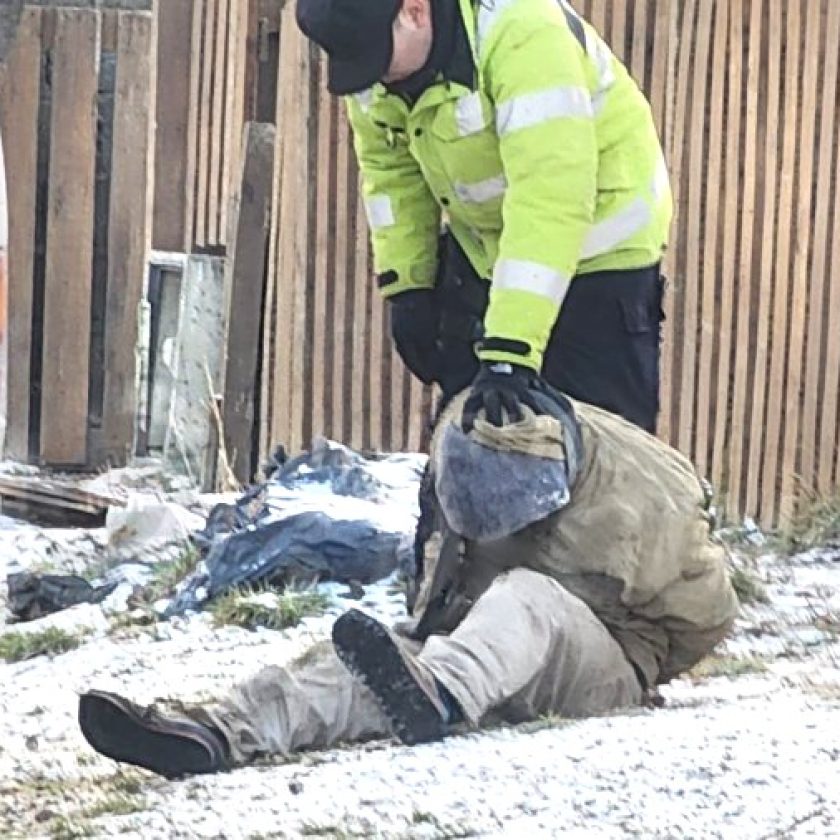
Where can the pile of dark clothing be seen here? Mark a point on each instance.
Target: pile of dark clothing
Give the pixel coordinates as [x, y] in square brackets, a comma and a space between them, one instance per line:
[329, 514]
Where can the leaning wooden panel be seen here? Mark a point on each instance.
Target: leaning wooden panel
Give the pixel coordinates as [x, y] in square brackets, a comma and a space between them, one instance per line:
[20, 77]
[66, 346]
[770, 460]
[819, 417]
[128, 230]
[245, 281]
[746, 263]
[799, 286]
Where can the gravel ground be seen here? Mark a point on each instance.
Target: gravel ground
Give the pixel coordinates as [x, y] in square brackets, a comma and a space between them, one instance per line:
[747, 747]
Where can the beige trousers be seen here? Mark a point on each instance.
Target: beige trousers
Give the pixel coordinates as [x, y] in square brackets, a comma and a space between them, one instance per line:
[527, 648]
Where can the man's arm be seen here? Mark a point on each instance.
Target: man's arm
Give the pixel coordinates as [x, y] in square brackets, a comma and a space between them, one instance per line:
[403, 216]
[537, 75]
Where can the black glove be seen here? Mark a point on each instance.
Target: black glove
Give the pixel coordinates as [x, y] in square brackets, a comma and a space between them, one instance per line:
[500, 385]
[414, 328]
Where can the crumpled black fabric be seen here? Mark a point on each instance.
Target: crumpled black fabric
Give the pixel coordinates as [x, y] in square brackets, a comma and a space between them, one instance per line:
[303, 548]
[245, 543]
[33, 596]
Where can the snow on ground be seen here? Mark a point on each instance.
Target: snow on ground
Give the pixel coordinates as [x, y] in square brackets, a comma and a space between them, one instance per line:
[747, 748]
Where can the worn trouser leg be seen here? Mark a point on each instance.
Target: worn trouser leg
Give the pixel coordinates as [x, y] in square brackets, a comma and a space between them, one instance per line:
[528, 647]
[313, 703]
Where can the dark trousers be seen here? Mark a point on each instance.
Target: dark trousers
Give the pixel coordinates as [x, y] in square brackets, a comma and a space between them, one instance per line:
[603, 350]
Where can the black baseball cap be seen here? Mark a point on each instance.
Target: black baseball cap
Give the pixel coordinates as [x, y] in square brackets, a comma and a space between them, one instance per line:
[357, 35]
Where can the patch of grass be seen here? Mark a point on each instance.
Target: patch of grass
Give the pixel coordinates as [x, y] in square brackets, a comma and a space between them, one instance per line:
[727, 666]
[167, 575]
[748, 588]
[309, 829]
[117, 804]
[252, 608]
[815, 523]
[17, 647]
[443, 831]
[66, 828]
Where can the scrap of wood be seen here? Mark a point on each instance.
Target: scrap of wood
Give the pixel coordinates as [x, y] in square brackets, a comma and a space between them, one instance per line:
[54, 494]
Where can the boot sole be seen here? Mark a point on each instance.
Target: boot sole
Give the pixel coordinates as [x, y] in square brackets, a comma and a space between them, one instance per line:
[118, 732]
[370, 653]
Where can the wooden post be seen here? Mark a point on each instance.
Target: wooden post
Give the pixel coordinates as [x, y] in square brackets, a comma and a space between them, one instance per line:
[245, 293]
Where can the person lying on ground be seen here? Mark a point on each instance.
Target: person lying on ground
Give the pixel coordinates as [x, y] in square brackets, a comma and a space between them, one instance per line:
[567, 568]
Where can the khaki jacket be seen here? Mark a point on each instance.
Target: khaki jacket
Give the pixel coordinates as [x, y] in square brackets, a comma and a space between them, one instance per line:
[633, 544]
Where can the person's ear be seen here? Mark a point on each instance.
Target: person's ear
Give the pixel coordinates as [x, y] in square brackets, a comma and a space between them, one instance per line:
[415, 14]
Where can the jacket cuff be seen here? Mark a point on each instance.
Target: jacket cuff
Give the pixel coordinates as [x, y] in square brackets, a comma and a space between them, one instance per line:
[513, 351]
[418, 276]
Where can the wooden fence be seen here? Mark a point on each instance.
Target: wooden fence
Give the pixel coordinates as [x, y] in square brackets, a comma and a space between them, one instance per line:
[76, 101]
[207, 55]
[745, 93]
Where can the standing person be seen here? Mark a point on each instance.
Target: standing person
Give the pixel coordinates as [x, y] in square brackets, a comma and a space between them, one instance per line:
[511, 123]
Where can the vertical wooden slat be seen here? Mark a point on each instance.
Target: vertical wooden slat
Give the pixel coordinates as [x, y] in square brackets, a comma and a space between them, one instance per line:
[782, 267]
[217, 117]
[66, 345]
[291, 254]
[664, 90]
[175, 136]
[20, 77]
[798, 283]
[323, 249]
[692, 212]
[707, 396]
[748, 232]
[339, 325]
[297, 194]
[830, 428]
[129, 228]
[818, 437]
[676, 258]
[207, 19]
[639, 49]
[359, 408]
[735, 204]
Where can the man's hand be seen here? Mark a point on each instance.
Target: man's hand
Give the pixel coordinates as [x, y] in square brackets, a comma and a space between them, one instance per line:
[414, 328]
[501, 389]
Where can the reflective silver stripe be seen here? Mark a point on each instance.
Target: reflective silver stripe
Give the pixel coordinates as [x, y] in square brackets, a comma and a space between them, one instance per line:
[534, 108]
[481, 191]
[488, 14]
[661, 182]
[604, 236]
[469, 116]
[600, 53]
[380, 213]
[532, 277]
[364, 99]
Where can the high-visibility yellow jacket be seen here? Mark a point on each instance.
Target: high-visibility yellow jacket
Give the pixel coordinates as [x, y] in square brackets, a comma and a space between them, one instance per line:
[548, 166]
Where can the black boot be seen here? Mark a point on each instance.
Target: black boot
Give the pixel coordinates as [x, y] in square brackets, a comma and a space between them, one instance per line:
[408, 694]
[170, 746]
